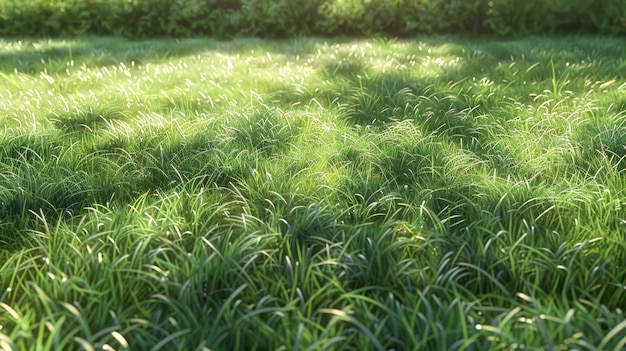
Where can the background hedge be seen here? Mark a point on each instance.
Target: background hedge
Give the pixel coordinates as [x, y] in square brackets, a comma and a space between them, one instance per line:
[277, 18]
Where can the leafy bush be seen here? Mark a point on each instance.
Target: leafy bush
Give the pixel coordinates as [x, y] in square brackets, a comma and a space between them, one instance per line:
[279, 18]
[522, 17]
[607, 16]
[396, 17]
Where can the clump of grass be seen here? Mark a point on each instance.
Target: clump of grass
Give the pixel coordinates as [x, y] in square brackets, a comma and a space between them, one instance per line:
[441, 193]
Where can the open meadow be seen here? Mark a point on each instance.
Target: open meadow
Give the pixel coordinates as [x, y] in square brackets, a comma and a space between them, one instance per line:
[442, 193]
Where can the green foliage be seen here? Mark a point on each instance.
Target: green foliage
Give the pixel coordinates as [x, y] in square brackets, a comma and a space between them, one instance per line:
[396, 17]
[521, 17]
[280, 18]
[607, 17]
[437, 194]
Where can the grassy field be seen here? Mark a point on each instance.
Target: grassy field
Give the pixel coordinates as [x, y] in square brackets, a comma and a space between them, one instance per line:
[440, 193]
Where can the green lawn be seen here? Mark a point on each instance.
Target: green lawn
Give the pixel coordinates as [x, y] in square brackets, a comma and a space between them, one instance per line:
[440, 193]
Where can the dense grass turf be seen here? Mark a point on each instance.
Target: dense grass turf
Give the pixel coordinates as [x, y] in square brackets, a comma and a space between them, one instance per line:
[435, 194]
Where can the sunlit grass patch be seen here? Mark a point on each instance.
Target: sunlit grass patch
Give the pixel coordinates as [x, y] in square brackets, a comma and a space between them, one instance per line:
[436, 193]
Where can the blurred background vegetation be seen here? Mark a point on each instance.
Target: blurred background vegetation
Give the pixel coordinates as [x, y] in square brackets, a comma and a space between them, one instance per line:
[287, 18]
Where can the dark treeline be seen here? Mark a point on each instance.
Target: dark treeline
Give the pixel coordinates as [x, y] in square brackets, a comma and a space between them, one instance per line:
[286, 18]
